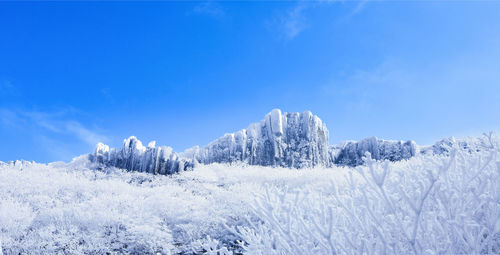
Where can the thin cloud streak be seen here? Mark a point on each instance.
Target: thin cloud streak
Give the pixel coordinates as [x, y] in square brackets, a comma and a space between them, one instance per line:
[84, 134]
[361, 5]
[209, 8]
[294, 21]
[51, 130]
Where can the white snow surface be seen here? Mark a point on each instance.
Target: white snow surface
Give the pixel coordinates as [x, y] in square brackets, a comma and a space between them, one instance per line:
[428, 204]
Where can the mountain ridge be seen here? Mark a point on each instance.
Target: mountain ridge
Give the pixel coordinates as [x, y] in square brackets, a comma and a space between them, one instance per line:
[289, 139]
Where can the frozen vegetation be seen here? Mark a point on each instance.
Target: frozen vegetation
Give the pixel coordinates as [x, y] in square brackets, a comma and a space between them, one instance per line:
[431, 203]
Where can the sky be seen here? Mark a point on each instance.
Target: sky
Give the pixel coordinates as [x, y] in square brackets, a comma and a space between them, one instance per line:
[184, 73]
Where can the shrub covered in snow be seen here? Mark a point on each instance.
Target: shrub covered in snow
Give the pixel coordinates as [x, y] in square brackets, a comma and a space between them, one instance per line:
[429, 204]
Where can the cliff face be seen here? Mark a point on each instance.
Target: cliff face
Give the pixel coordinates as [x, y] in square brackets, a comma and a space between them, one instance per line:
[444, 146]
[352, 153]
[288, 140]
[135, 157]
[294, 140]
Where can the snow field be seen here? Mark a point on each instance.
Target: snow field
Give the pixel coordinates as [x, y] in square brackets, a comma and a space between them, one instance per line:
[425, 205]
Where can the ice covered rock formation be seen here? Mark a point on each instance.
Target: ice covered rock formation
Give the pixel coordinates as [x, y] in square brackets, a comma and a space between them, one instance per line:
[294, 140]
[135, 157]
[444, 146]
[352, 153]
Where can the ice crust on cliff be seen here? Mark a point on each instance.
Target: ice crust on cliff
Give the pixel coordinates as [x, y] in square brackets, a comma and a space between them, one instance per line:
[352, 153]
[444, 146]
[294, 140]
[290, 139]
[135, 157]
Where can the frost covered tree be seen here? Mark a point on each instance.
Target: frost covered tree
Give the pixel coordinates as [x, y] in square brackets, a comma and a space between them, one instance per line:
[429, 204]
[433, 204]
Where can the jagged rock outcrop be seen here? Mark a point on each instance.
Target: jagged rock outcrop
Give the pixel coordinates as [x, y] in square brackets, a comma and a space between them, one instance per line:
[352, 153]
[445, 145]
[19, 164]
[135, 157]
[294, 140]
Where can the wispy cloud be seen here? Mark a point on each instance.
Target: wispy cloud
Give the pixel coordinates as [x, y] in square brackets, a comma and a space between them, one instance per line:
[294, 20]
[84, 134]
[9, 118]
[60, 123]
[209, 8]
[55, 148]
[56, 132]
[5, 85]
[441, 97]
[359, 7]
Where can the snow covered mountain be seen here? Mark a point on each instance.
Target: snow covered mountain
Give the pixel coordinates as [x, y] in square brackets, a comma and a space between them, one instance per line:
[293, 140]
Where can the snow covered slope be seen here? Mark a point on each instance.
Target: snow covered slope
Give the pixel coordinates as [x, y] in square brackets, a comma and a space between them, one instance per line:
[429, 204]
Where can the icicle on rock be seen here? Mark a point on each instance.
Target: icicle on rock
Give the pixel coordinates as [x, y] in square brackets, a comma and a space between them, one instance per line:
[134, 156]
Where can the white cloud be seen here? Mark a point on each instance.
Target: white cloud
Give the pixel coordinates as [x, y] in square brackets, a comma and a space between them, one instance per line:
[293, 22]
[359, 7]
[84, 134]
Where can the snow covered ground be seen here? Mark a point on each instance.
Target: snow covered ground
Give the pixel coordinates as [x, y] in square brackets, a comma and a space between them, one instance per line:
[429, 204]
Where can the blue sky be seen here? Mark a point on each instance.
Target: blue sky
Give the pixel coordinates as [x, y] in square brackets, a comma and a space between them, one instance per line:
[185, 73]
